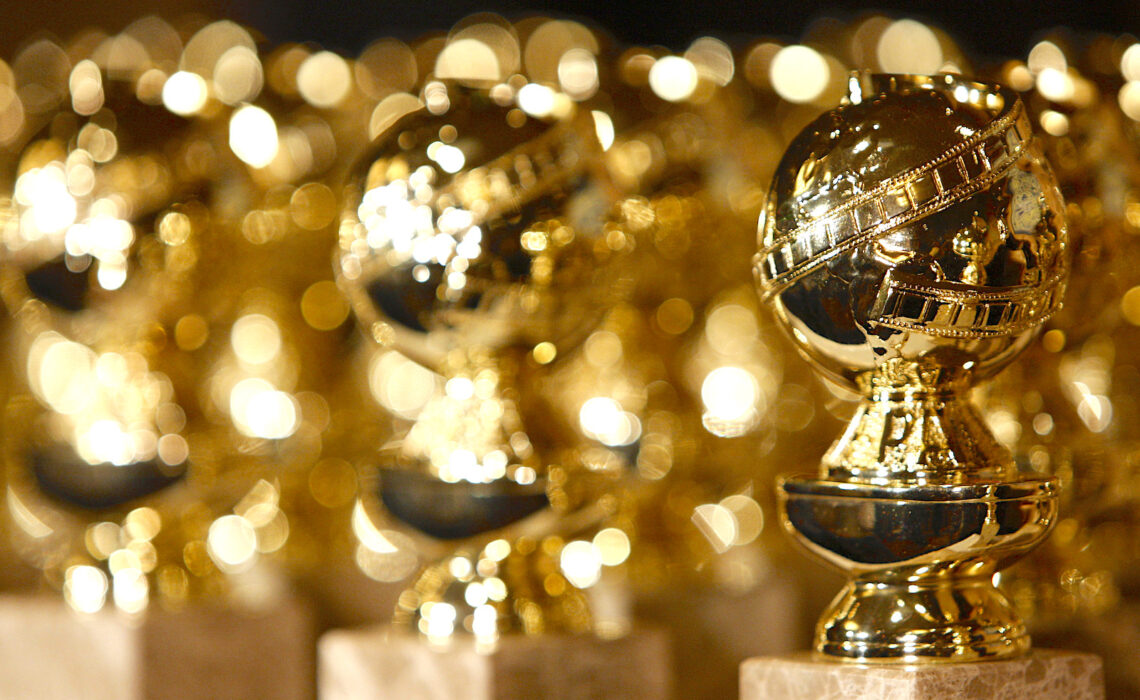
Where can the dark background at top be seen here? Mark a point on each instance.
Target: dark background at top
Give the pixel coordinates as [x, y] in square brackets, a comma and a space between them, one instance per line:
[983, 28]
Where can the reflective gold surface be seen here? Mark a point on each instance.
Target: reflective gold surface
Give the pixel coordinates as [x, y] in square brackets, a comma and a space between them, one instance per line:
[99, 255]
[473, 243]
[913, 242]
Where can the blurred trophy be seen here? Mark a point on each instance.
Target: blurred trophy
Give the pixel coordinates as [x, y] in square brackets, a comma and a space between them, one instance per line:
[1068, 410]
[152, 416]
[99, 251]
[158, 351]
[913, 243]
[472, 244]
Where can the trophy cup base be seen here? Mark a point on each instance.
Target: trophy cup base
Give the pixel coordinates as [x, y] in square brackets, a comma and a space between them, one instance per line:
[921, 560]
[508, 590]
[1043, 674]
[384, 663]
[946, 620]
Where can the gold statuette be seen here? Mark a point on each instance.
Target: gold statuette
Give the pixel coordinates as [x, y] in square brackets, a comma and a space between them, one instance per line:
[473, 243]
[912, 243]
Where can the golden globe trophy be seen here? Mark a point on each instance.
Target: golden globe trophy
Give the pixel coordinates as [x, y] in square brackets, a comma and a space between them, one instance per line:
[467, 275]
[473, 242]
[123, 269]
[912, 243]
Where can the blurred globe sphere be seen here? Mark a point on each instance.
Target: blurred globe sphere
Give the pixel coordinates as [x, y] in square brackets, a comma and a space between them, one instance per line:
[473, 224]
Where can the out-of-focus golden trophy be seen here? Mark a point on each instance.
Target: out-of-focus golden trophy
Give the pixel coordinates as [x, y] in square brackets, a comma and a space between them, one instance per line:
[1067, 408]
[97, 256]
[473, 244]
[912, 243]
[153, 418]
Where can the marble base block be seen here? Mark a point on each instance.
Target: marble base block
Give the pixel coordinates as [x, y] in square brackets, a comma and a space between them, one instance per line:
[47, 652]
[1044, 674]
[714, 630]
[50, 652]
[211, 653]
[380, 663]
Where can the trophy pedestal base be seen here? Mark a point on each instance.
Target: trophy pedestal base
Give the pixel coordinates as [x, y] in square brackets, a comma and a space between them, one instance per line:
[715, 630]
[1043, 674]
[381, 663]
[49, 652]
[214, 652]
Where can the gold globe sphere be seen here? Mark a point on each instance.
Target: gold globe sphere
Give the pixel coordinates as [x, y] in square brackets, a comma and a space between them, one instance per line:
[916, 224]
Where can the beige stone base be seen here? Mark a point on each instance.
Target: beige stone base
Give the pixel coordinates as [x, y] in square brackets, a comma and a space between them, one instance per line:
[215, 653]
[380, 664]
[49, 652]
[1044, 674]
[713, 631]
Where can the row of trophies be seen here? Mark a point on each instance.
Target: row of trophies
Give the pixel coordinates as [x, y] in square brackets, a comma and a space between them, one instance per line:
[479, 313]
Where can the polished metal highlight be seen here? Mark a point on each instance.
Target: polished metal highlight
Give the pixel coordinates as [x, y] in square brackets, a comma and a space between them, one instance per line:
[913, 243]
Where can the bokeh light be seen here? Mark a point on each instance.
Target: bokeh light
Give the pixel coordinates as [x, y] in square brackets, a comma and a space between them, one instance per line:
[799, 73]
[253, 136]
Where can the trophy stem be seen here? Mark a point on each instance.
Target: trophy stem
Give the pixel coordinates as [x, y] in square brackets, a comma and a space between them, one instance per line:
[908, 432]
[503, 588]
[940, 618]
[472, 432]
